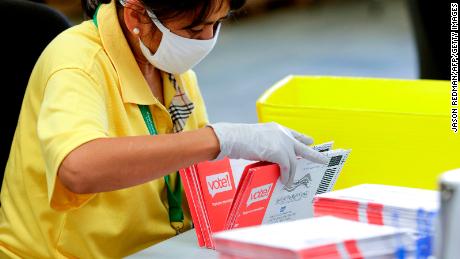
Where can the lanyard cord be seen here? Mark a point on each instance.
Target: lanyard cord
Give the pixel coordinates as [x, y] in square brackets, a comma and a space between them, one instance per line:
[176, 214]
[174, 198]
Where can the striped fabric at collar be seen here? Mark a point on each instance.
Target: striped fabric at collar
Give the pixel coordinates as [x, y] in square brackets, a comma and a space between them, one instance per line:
[181, 107]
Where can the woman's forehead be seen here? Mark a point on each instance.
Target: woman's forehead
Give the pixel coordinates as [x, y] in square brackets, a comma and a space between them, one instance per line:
[220, 9]
[205, 14]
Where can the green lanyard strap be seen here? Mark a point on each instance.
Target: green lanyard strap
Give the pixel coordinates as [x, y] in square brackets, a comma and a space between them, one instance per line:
[174, 198]
[176, 214]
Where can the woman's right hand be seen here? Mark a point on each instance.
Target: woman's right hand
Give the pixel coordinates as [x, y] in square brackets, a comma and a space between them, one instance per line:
[266, 142]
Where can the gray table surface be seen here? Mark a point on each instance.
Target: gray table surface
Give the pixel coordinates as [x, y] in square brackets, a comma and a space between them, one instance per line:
[181, 246]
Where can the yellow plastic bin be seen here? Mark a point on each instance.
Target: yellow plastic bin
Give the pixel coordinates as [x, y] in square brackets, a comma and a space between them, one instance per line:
[399, 130]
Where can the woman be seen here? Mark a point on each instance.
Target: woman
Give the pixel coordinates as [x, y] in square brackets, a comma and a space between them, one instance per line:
[110, 114]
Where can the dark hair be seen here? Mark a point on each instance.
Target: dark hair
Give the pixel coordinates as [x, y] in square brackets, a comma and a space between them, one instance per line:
[167, 9]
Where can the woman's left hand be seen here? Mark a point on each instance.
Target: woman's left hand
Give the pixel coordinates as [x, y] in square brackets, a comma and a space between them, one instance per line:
[266, 142]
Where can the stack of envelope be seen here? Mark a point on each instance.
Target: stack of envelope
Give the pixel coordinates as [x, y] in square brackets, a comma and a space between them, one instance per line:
[414, 210]
[323, 237]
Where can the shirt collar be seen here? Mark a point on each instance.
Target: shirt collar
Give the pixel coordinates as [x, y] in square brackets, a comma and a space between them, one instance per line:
[133, 86]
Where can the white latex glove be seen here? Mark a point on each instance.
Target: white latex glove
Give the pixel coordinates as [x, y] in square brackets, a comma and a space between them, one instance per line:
[266, 142]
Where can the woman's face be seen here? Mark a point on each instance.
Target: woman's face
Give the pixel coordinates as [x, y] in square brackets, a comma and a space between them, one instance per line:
[136, 16]
[203, 31]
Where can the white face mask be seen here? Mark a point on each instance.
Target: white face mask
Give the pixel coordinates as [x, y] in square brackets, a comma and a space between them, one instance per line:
[177, 54]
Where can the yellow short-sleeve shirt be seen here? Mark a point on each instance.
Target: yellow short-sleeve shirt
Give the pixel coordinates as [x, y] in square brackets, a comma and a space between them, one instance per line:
[86, 85]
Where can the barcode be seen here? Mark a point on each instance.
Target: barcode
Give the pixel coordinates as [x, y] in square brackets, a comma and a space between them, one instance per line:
[327, 179]
[335, 161]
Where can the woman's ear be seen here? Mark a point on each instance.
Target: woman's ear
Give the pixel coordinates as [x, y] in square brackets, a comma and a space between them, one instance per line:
[135, 17]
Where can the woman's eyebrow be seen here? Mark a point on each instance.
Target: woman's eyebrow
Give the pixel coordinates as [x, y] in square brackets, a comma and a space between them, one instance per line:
[220, 19]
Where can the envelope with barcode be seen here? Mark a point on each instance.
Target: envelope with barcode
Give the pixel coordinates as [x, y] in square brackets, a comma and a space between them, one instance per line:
[230, 194]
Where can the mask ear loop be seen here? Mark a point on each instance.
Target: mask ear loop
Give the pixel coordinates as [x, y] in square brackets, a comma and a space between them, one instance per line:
[157, 22]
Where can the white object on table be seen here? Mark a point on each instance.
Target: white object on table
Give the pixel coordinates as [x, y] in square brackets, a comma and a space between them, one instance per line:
[184, 245]
[448, 240]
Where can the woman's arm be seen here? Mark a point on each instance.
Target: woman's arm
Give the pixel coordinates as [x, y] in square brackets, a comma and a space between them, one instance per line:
[109, 164]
